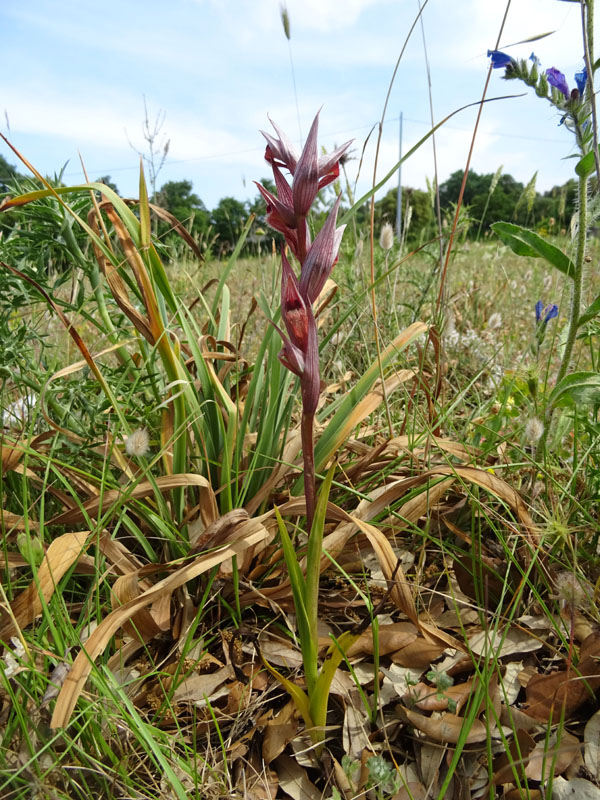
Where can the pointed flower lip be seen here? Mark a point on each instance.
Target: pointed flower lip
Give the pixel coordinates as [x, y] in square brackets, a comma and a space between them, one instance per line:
[322, 256]
[558, 80]
[329, 165]
[499, 59]
[281, 151]
[277, 210]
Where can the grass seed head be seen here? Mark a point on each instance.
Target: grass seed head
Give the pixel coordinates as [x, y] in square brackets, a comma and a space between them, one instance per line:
[386, 237]
[138, 443]
[534, 428]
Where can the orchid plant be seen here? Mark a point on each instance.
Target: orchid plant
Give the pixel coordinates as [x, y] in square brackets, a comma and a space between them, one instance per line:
[287, 212]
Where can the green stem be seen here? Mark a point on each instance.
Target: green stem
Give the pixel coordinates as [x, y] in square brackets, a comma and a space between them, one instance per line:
[576, 291]
[308, 455]
[576, 294]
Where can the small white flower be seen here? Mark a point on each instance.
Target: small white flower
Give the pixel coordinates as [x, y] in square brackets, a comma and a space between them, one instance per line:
[534, 428]
[386, 238]
[495, 321]
[12, 665]
[138, 443]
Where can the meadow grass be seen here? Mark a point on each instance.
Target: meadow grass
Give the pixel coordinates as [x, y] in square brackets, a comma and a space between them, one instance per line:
[173, 623]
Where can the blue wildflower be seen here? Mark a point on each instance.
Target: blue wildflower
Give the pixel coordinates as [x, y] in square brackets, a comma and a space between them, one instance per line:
[535, 59]
[558, 80]
[544, 315]
[581, 80]
[499, 60]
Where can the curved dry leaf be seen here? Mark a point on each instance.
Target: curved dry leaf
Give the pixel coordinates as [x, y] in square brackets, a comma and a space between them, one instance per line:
[427, 698]
[390, 637]
[401, 592]
[254, 532]
[574, 789]
[513, 758]
[501, 489]
[592, 744]
[141, 625]
[60, 556]
[279, 731]
[13, 450]
[446, 728]
[420, 653]
[546, 759]
[15, 522]
[294, 780]
[145, 489]
[198, 689]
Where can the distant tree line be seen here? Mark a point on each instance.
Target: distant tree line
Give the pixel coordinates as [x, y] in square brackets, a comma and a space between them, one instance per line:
[487, 199]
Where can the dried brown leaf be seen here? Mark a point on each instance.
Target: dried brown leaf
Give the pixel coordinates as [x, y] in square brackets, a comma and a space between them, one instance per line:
[279, 731]
[293, 779]
[445, 727]
[145, 489]
[199, 689]
[390, 638]
[60, 556]
[253, 533]
[548, 759]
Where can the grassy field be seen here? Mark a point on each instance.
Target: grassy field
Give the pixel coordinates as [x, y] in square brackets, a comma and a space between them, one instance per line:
[361, 564]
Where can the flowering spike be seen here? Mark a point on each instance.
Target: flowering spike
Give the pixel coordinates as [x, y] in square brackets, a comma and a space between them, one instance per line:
[558, 80]
[322, 256]
[306, 174]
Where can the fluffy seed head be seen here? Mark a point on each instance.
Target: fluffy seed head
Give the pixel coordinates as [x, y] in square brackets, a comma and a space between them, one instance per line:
[570, 590]
[386, 238]
[495, 321]
[138, 443]
[534, 428]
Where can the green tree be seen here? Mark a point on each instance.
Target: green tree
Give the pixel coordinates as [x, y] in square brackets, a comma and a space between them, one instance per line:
[106, 180]
[228, 220]
[178, 198]
[7, 174]
[421, 211]
[502, 201]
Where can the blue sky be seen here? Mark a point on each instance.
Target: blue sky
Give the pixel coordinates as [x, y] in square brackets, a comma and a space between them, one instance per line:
[75, 73]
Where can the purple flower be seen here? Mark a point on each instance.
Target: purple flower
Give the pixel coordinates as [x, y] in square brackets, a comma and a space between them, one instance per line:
[300, 352]
[322, 256]
[581, 80]
[499, 59]
[544, 315]
[558, 80]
